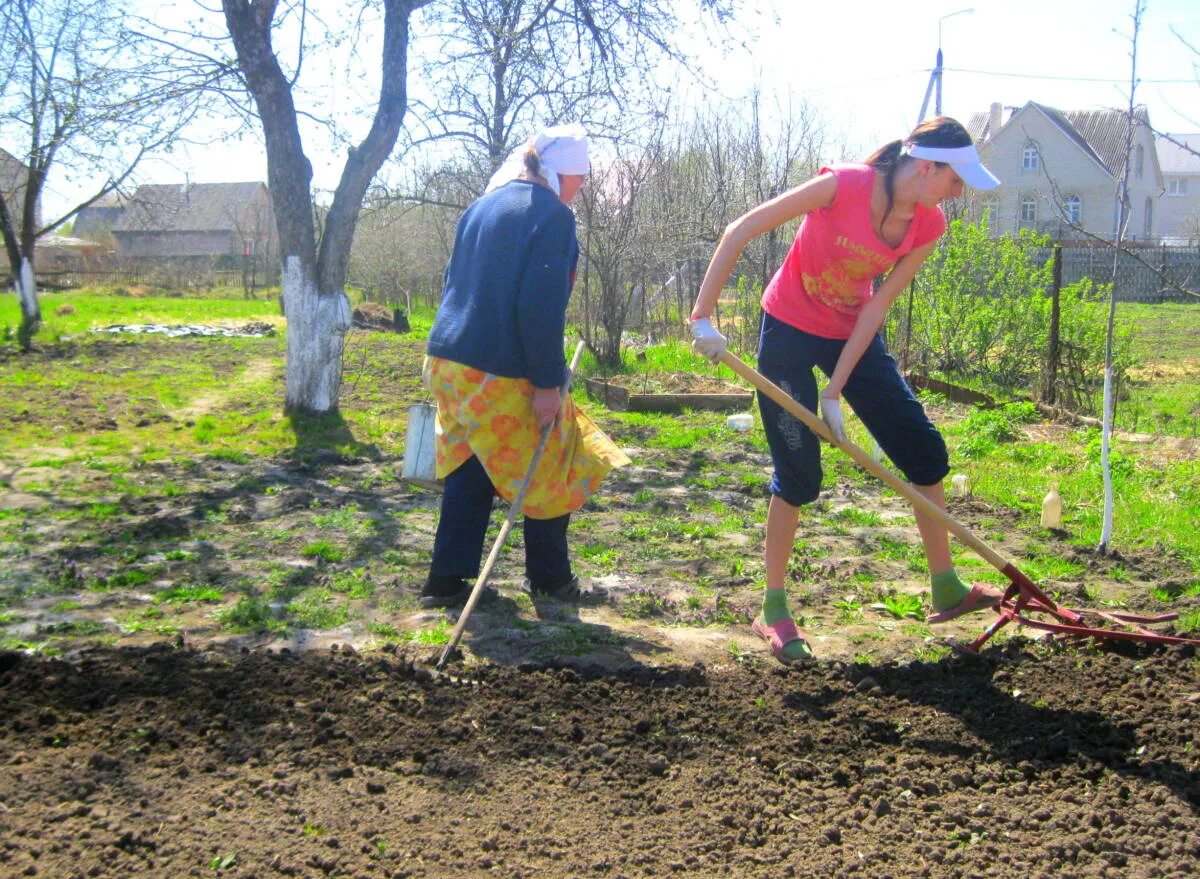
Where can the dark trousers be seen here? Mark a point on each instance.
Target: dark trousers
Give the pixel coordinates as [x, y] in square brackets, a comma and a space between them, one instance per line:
[875, 390]
[463, 523]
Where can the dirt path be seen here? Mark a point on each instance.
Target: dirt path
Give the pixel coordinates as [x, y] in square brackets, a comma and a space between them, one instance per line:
[258, 369]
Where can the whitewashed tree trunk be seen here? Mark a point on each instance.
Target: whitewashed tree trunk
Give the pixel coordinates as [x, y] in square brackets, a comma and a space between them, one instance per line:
[1124, 209]
[31, 313]
[317, 324]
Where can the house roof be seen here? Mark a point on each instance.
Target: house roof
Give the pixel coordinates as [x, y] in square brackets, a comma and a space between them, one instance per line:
[176, 207]
[1100, 134]
[1179, 153]
[12, 172]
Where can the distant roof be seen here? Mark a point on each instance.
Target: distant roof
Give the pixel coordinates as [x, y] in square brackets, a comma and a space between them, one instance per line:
[1100, 133]
[12, 172]
[1176, 159]
[112, 199]
[66, 242]
[99, 217]
[177, 207]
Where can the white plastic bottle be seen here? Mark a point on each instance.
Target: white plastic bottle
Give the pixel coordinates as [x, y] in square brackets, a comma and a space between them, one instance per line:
[740, 422]
[961, 484]
[1052, 509]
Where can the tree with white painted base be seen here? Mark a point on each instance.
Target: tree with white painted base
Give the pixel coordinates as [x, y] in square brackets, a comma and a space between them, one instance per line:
[314, 267]
[82, 95]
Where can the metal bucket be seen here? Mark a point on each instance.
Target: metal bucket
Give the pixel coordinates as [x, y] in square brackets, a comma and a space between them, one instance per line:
[420, 465]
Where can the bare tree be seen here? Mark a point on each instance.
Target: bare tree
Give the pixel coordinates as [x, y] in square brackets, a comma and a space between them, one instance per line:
[492, 71]
[314, 266]
[85, 94]
[1139, 8]
[616, 250]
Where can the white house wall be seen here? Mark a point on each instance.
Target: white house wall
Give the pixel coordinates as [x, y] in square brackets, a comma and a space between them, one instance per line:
[1180, 214]
[1065, 169]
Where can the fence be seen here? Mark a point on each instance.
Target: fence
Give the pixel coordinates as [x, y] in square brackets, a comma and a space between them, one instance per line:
[1143, 274]
[176, 275]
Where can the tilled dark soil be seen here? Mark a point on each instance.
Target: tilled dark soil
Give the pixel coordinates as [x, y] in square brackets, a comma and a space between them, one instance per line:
[1028, 761]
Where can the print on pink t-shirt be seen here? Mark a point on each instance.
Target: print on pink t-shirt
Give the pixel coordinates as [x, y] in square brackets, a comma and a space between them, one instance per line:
[826, 277]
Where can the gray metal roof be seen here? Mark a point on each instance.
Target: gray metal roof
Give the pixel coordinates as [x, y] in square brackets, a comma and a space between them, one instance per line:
[1099, 133]
[12, 172]
[199, 207]
[1177, 159]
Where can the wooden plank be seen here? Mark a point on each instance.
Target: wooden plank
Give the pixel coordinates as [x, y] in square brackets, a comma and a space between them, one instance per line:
[619, 398]
[679, 402]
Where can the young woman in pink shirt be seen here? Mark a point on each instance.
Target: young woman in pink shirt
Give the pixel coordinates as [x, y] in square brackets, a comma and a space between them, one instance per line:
[860, 221]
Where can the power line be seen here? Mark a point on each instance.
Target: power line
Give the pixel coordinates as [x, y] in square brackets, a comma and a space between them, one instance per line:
[1072, 78]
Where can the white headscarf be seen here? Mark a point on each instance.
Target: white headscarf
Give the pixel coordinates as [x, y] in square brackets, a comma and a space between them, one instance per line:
[563, 149]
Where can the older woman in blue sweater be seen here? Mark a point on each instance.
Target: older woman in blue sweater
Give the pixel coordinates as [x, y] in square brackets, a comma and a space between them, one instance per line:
[495, 366]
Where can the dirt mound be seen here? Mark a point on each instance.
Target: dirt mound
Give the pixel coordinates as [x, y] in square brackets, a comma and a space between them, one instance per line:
[1025, 762]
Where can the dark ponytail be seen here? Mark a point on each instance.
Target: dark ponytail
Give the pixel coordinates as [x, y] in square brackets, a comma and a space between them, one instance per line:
[886, 160]
[940, 132]
[532, 161]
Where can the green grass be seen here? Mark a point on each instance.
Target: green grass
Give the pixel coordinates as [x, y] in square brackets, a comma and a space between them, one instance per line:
[251, 614]
[901, 605]
[186, 594]
[324, 550]
[1152, 505]
[436, 636]
[316, 609]
[93, 309]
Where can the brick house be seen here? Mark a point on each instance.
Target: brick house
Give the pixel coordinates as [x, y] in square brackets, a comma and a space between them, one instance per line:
[1059, 170]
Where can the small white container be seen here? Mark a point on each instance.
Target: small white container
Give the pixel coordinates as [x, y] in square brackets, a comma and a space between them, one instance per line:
[961, 483]
[1052, 509]
[420, 463]
[740, 422]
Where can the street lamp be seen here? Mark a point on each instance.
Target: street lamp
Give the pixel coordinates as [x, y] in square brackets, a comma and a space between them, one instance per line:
[935, 78]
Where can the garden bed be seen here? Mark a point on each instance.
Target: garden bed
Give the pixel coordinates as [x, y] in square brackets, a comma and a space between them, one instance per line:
[667, 392]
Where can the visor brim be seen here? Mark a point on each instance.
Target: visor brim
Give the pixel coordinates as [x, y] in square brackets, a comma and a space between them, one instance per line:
[975, 175]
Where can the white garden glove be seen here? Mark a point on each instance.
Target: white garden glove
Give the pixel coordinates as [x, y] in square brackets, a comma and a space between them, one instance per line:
[831, 414]
[708, 339]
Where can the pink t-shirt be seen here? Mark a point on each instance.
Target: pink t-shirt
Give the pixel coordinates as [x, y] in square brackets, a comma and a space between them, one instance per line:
[826, 277]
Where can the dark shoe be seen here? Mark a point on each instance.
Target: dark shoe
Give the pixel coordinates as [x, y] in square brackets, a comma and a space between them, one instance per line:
[451, 592]
[440, 591]
[570, 591]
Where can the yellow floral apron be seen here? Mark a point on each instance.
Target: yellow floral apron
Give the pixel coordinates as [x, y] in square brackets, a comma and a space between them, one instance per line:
[491, 417]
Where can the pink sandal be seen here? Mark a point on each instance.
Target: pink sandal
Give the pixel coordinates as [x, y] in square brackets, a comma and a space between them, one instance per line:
[980, 597]
[779, 634]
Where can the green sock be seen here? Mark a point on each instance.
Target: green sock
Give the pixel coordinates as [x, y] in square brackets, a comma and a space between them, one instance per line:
[775, 608]
[948, 590]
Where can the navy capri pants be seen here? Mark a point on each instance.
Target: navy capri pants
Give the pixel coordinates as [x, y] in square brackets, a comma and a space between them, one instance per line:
[875, 390]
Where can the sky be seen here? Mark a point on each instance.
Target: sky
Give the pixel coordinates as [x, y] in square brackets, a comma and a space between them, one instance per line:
[867, 75]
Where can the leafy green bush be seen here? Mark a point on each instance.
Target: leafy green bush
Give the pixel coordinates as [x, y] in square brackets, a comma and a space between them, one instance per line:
[984, 429]
[981, 312]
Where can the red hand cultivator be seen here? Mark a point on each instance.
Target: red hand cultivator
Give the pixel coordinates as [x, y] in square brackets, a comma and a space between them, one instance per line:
[1023, 597]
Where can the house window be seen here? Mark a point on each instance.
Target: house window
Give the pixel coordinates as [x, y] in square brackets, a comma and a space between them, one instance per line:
[1177, 186]
[1148, 225]
[1030, 159]
[1028, 213]
[1139, 161]
[1073, 209]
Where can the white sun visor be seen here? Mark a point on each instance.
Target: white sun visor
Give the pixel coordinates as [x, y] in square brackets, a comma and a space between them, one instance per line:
[964, 160]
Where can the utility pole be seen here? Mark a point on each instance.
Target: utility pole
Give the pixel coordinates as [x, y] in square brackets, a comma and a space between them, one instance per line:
[935, 78]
